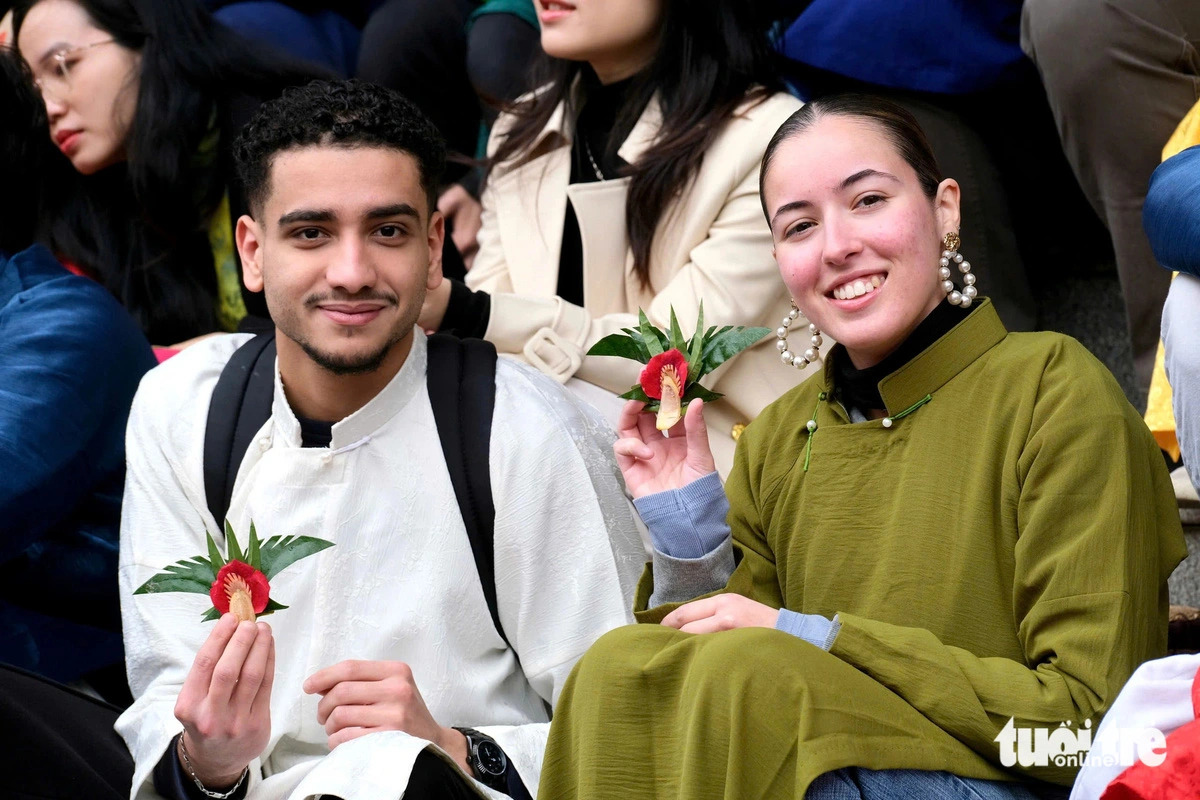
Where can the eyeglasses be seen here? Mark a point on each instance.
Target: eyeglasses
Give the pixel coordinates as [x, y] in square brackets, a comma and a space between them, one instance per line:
[57, 81]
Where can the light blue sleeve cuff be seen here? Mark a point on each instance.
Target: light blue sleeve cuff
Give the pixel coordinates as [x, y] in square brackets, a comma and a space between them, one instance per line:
[688, 522]
[812, 628]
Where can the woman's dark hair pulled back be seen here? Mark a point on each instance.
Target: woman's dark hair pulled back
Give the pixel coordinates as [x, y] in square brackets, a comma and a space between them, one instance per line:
[895, 121]
[713, 56]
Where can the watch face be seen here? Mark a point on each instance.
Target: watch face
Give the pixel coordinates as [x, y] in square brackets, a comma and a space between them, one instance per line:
[491, 757]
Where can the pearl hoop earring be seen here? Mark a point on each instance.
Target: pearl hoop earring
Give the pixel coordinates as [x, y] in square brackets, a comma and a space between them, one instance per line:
[950, 255]
[810, 355]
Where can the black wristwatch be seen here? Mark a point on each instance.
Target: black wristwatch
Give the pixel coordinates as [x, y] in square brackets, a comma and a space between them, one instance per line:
[487, 760]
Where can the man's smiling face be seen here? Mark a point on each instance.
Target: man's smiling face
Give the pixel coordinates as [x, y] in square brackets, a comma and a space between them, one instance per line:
[345, 249]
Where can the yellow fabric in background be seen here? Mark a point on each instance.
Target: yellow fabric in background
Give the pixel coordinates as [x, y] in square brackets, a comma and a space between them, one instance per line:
[230, 307]
[1160, 412]
[1186, 134]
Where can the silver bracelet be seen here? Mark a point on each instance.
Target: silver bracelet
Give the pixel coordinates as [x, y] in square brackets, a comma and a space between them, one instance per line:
[191, 771]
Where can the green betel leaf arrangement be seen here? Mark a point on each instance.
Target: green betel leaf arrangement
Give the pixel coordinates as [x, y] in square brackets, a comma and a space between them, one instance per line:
[240, 583]
[674, 367]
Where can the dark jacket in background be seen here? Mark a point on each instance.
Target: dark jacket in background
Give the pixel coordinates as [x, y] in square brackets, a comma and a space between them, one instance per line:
[70, 361]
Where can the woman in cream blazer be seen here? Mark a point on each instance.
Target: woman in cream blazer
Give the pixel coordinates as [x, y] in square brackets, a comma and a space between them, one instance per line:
[710, 244]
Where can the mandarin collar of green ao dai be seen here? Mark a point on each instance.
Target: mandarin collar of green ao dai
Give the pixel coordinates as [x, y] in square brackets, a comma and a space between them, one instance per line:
[858, 389]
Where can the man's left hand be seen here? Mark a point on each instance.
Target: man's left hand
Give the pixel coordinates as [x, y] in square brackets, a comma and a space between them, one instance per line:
[361, 697]
[724, 612]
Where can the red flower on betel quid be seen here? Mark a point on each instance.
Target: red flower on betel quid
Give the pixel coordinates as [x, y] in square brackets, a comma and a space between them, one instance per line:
[663, 379]
[240, 588]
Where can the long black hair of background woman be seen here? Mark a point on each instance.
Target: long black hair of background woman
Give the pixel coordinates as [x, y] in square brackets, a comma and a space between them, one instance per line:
[141, 226]
[713, 56]
[24, 149]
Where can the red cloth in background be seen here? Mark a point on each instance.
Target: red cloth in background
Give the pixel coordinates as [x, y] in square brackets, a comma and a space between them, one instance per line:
[1177, 777]
[76, 269]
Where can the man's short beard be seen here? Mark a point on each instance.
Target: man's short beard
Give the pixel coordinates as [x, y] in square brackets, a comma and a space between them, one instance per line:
[352, 365]
[337, 363]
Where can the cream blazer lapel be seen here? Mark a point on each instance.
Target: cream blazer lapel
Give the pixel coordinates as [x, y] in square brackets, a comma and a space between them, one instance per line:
[600, 210]
[537, 189]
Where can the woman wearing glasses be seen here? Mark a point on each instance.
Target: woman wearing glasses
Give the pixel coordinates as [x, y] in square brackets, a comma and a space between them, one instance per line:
[142, 99]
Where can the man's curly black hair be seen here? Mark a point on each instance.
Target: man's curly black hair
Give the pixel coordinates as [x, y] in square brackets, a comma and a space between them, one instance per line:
[341, 113]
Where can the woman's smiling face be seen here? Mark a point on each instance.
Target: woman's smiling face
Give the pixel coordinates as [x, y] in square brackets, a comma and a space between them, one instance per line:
[856, 238]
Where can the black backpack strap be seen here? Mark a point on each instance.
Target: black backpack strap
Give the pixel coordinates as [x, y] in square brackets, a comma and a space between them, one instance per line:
[240, 405]
[462, 391]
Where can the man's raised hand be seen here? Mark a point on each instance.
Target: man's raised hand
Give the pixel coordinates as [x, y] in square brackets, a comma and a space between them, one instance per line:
[225, 702]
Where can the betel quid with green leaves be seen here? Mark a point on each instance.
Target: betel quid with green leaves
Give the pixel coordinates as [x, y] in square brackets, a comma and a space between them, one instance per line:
[240, 583]
[674, 366]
